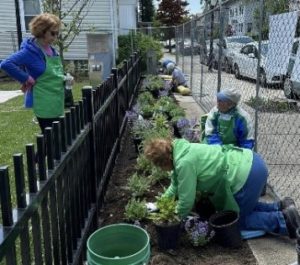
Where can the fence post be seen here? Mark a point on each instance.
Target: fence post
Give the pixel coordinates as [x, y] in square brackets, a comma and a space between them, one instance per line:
[261, 7]
[115, 86]
[220, 45]
[87, 94]
[192, 36]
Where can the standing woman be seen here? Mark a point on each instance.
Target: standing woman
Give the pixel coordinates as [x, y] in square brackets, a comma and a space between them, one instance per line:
[38, 66]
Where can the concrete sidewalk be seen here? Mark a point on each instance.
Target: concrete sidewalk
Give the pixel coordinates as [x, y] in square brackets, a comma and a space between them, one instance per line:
[7, 95]
[268, 250]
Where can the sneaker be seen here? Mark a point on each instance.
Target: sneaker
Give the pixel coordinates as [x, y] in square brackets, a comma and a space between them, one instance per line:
[286, 202]
[292, 220]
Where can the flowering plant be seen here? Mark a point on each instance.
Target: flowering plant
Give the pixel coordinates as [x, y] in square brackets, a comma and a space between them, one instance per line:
[188, 129]
[198, 232]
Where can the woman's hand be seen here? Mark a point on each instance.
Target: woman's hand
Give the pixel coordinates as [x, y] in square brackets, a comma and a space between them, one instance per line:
[28, 84]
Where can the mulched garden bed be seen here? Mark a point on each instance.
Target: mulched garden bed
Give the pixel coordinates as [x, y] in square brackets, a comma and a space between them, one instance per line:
[113, 212]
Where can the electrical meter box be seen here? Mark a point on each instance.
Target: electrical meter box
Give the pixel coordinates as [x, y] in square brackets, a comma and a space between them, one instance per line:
[100, 59]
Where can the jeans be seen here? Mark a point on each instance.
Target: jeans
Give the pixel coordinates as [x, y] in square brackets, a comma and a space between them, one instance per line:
[255, 215]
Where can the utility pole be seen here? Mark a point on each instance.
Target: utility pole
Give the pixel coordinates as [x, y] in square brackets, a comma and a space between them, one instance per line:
[18, 23]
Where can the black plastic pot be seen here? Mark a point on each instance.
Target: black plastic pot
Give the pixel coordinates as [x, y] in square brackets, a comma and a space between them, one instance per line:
[137, 142]
[176, 131]
[225, 224]
[168, 236]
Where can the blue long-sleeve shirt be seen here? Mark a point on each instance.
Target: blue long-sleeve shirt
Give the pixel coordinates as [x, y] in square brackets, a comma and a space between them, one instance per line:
[241, 124]
[28, 61]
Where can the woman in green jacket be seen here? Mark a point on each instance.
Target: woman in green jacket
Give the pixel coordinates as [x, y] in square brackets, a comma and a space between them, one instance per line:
[233, 176]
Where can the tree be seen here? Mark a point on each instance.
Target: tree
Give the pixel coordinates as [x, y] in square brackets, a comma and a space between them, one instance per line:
[271, 7]
[146, 10]
[171, 13]
[72, 13]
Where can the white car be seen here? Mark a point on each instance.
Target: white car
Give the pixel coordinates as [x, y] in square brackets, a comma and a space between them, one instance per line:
[245, 64]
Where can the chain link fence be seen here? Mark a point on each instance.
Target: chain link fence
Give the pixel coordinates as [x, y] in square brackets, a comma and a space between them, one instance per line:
[245, 45]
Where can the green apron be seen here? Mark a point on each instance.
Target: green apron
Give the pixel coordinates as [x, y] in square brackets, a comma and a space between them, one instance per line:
[48, 91]
[226, 126]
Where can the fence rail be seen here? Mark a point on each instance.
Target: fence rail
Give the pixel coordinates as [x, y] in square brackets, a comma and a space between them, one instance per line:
[67, 184]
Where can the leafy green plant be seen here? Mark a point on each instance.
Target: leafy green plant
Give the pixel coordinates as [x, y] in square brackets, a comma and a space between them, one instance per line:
[167, 211]
[145, 98]
[138, 185]
[157, 175]
[160, 122]
[143, 165]
[136, 209]
[140, 127]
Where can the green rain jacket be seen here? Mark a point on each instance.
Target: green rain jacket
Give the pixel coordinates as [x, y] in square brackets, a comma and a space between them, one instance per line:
[200, 168]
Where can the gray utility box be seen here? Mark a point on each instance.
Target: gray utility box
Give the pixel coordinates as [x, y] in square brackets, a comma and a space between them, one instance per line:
[100, 58]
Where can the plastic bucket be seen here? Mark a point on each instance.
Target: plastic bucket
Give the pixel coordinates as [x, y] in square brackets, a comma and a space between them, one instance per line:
[226, 227]
[118, 244]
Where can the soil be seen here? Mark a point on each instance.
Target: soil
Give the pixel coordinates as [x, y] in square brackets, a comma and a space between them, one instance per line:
[113, 212]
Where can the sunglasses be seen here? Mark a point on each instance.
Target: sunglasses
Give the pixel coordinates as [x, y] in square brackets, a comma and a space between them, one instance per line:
[54, 33]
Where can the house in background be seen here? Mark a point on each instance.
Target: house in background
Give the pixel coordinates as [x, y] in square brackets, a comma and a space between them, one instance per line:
[241, 17]
[98, 39]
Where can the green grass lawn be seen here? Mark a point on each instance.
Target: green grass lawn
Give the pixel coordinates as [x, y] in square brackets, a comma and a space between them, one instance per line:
[17, 127]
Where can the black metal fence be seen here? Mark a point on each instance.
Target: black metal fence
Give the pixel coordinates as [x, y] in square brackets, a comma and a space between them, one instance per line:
[67, 185]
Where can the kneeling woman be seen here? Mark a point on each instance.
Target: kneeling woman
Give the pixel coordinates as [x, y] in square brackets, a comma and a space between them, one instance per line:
[233, 176]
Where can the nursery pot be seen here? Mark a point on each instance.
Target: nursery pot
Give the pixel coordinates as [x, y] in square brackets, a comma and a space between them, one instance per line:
[118, 244]
[167, 236]
[226, 227]
[137, 142]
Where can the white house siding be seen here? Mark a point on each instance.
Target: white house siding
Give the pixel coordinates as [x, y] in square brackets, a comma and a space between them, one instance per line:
[127, 15]
[98, 19]
[239, 21]
[8, 34]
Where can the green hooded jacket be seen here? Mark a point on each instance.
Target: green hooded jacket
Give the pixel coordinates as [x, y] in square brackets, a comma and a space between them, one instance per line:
[200, 168]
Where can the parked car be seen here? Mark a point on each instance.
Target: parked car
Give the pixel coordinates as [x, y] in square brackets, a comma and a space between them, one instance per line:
[185, 47]
[230, 46]
[245, 64]
[291, 88]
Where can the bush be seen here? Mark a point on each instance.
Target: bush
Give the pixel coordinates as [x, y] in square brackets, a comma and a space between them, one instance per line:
[137, 42]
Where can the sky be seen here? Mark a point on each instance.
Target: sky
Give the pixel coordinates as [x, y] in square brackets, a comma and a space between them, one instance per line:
[194, 6]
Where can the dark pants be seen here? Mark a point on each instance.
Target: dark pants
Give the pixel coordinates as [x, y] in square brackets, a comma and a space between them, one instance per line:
[46, 122]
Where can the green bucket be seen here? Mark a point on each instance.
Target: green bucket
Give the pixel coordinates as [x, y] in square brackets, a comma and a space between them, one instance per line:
[118, 244]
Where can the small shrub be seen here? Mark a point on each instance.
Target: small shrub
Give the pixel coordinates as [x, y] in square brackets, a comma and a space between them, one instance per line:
[138, 185]
[167, 211]
[157, 175]
[143, 165]
[136, 210]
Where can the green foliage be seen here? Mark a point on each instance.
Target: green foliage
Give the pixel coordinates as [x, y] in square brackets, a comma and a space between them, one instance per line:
[136, 210]
[74, 14]
[145, 98]
[167, 211]
[157, 174]
[153, 83]
[143, 165]
[269, 105]
[146, 10]
[138, 42]
[160, 122]
[171, 12]
[140, 127]
[138, 185]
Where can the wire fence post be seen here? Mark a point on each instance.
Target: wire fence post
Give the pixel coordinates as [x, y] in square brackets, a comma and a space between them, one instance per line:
[258, 70]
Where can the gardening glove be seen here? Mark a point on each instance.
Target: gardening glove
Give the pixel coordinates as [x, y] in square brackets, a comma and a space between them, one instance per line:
[151, 207]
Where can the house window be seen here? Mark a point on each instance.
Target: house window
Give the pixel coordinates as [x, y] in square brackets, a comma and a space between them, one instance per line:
[249, 27]
[241, 27]
[241, 9]
[31, 9]
[236, 11]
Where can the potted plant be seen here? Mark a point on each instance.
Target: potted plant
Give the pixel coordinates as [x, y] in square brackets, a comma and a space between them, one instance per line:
[167, 223]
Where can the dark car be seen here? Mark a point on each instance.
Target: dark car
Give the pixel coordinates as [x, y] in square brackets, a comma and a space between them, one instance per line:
[291, 87]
